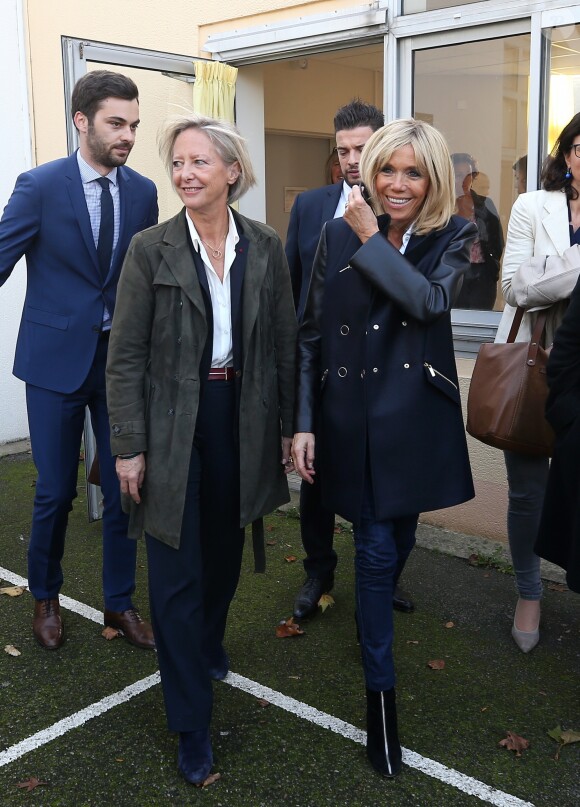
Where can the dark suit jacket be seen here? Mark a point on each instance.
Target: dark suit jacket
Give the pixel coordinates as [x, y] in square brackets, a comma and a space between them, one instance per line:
[46, 220]
[377, 382]
[559, 534]
[309, 213]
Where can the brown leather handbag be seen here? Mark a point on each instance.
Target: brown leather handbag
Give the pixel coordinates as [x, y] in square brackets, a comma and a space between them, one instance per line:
[507, 396]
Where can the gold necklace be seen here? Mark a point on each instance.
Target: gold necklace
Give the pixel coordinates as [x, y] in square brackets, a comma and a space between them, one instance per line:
[216, 252]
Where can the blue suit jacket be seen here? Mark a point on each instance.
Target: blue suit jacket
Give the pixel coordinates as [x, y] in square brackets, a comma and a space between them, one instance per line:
[309, 213]
[47, 221]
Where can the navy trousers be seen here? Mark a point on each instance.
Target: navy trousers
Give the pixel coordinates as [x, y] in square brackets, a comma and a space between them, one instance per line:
[191, 588]
[56, 425]
[382, 549]
[317, 532]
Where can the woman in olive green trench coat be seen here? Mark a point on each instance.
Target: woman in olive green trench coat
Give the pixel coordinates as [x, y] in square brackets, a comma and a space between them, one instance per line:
[200, 460]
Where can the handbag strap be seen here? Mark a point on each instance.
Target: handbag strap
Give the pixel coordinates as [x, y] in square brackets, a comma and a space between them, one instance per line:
[536, 338]
[516, 322]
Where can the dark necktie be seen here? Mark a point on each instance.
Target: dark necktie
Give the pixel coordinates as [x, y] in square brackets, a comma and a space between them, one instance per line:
[106, 228]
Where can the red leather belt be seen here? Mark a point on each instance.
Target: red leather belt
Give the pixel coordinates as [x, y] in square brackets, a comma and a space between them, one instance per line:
[221, 374]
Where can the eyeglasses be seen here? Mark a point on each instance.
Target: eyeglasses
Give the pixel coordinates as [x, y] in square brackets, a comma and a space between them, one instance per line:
[576, 148]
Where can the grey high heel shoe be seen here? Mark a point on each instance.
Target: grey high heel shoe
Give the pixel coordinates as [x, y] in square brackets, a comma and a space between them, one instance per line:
[525, 640]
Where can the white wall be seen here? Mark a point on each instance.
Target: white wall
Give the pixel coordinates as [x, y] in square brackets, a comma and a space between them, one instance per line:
[15, 145]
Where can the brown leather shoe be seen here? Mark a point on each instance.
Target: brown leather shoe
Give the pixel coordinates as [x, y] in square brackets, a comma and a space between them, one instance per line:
[47, 625]
[130, 624]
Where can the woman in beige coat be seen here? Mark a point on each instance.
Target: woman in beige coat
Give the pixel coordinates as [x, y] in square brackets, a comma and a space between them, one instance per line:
[200, 384]
[540, 267]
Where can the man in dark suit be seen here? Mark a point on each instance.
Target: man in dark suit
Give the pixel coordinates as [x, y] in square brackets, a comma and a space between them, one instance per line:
[72, 219]
[353, 126]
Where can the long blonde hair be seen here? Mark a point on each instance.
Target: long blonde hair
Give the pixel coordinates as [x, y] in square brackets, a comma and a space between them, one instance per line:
[432, 158]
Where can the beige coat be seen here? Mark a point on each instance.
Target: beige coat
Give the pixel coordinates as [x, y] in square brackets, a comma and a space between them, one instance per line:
[540, 268]
[153, 384]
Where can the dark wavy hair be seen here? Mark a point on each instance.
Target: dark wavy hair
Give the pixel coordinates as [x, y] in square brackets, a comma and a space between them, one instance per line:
[555, 167]
[95, 87]
[358, 113]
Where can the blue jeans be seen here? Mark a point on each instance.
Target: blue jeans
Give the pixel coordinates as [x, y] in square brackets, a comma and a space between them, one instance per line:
[527, 479]
[382, 549]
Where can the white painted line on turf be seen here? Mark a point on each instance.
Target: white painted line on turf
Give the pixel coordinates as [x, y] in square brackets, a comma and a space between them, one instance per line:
[77, 719]
[430, 767]
[66, 602]
[467, 784]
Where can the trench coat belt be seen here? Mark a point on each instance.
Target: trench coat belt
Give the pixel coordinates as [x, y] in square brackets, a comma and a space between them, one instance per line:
[221, 374]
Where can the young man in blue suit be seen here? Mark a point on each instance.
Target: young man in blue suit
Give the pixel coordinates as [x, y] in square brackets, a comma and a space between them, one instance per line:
[72, 219]
[353, 126]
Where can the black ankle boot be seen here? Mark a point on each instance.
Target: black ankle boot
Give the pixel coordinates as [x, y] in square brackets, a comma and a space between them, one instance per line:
[383, 747]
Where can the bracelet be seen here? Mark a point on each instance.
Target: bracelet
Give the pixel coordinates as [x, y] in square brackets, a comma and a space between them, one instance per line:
[129, 456]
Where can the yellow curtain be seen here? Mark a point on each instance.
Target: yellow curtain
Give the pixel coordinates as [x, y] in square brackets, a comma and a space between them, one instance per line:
[214, 89]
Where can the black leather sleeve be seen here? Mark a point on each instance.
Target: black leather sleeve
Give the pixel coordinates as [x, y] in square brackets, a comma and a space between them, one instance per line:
[308, 370]
[421, 297]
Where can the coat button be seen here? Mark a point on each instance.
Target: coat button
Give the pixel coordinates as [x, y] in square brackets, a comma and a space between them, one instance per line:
[406, 366]
[375, 369]
[342, 371]
[404, 324]
[238, 373]
[116, 430]
[344, 329]
[362, 375]
[375, 327]
[170, 411]
[179, 340]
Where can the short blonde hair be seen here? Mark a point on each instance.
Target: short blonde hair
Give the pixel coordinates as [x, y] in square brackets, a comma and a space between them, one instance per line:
[432, 158]
[224, 137]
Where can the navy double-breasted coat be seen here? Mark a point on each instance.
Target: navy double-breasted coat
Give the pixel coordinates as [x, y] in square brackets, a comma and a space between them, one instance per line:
[377, 382]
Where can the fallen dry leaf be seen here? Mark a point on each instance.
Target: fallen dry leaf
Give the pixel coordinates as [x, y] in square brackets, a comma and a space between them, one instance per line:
[295, 677]
[11, 650]
[263, 702]
[326, 601]
[213, 777]
[513, 742]
[269, 528]
[31, 783]
[109, 633]
[290, 558]
[484, 708]
[412, 641]
[565, 737]
[13, 591]
[473, 559]
[436, 664]
[270, 543]
[287, 627]
[450, 624]
[556, 587]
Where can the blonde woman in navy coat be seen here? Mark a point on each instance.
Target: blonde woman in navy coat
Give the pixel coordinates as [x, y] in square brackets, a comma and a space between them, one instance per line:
[378, 406]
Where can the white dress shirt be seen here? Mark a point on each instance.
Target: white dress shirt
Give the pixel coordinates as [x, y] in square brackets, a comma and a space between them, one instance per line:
[346, 189]
[220, 293]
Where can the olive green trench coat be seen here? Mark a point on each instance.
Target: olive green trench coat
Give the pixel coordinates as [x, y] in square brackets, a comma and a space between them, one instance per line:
[153, 384]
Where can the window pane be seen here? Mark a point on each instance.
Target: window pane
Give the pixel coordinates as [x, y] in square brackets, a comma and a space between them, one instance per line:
[415, 6]
[476, 93]
[564, 93]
